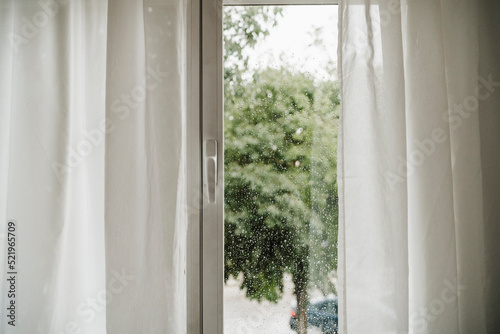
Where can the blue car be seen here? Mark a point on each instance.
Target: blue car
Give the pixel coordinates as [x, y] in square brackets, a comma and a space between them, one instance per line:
[322, 314]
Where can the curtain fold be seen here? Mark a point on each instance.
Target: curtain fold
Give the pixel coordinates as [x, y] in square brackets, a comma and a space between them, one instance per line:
[145, 188]
[93, 162]
[413, 238]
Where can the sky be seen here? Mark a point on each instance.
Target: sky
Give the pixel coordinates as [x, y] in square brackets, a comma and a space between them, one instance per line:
[293, 38]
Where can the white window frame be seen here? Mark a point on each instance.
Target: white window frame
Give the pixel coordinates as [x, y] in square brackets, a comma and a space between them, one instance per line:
[194, 179]
[206, 226]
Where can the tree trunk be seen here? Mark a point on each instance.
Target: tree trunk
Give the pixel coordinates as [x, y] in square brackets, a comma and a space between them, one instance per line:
[301, 280]
[302, 310]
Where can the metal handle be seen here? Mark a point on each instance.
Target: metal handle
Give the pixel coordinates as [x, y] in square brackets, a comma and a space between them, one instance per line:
[210, 170]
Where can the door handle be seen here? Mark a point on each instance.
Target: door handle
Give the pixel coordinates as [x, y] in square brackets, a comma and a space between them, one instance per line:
[210, 169]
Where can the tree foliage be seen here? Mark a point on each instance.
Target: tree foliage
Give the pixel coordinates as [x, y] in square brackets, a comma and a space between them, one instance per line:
[281, 203]
[243, 27]
[280, 174]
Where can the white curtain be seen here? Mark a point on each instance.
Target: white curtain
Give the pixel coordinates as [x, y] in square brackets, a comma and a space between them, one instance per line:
[92, 165]
[419, 161]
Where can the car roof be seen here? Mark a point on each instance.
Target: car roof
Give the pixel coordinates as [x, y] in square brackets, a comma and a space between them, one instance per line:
[324, 299]
[316, 301]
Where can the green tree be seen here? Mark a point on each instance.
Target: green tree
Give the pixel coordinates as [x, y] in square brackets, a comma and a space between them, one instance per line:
[280, 143]
[243, 27]
[280, 184]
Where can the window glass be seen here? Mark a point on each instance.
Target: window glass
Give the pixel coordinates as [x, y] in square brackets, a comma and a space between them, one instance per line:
[281, 104]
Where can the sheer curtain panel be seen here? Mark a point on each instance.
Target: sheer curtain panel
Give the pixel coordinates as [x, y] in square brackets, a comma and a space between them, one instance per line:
[419, 162]
[93, 166]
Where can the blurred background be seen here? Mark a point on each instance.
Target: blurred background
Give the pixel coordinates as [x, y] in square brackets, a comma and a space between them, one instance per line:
[281, 204]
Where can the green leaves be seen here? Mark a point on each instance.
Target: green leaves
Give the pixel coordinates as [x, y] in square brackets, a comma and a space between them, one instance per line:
[280, 192]
[281, 203]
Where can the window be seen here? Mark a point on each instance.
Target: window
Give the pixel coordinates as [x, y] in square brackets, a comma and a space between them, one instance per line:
[269, 167]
